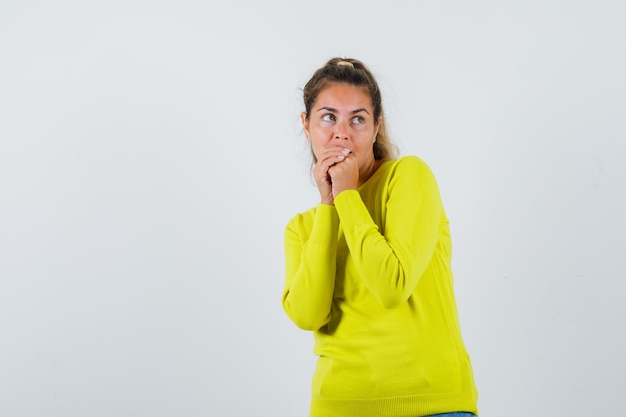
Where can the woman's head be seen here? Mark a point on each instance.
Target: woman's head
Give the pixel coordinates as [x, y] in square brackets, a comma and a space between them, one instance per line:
[351, 72]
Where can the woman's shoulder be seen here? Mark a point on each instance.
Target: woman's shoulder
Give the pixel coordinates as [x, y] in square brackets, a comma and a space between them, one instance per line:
[411, 164]
[305, 218]
[303, 215]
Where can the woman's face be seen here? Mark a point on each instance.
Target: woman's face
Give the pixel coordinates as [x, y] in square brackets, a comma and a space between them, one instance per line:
[343, 115]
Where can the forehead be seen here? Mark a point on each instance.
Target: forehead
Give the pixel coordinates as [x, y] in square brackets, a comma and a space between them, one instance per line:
[340, 96]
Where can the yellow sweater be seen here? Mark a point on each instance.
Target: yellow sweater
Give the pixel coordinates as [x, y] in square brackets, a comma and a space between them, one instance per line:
[371, 277]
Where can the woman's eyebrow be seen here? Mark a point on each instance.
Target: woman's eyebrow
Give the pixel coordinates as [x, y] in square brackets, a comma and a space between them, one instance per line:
[333, 110]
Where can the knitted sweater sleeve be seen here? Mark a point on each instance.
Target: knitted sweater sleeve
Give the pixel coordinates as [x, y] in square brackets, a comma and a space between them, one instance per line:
[391, 261]
[310, 254]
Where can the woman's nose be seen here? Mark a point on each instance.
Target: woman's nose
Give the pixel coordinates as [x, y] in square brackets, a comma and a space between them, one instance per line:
[341, 131]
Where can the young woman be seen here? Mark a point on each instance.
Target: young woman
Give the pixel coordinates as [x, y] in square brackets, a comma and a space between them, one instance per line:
[368, 269]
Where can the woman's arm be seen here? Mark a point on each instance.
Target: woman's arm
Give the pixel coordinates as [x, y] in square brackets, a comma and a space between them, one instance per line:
[392, 264]
[311, 262]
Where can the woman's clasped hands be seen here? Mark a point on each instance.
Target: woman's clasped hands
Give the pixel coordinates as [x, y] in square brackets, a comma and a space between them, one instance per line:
[336, 170]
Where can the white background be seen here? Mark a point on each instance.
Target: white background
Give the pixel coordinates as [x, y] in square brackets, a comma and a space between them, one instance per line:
[151, 155]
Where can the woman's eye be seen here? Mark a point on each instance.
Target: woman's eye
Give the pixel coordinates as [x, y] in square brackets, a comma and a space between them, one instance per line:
[358, 120]
[328, 117]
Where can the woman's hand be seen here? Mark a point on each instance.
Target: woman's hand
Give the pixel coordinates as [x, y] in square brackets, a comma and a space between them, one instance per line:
[330, 157]
[344, 176]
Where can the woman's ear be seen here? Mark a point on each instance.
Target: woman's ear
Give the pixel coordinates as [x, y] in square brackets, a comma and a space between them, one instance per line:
[380, 120]
[305, 125]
